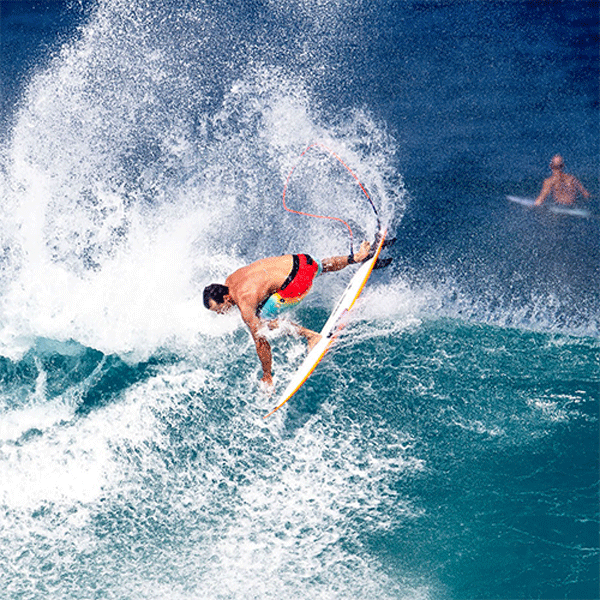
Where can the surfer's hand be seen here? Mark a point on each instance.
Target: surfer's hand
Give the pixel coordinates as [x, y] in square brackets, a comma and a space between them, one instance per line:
[267, 379]
[363, 252]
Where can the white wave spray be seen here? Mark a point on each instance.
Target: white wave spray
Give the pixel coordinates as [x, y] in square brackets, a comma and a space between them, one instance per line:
[147, 160]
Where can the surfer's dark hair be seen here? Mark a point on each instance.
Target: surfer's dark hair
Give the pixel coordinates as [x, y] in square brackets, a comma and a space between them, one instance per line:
[216, 292]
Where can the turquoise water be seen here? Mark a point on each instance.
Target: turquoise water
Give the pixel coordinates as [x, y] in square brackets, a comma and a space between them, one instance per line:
[447, 445]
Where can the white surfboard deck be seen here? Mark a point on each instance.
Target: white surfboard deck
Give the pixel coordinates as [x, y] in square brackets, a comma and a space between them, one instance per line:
[521, 201]
[555, 208]
[335, 322]
[574, 212]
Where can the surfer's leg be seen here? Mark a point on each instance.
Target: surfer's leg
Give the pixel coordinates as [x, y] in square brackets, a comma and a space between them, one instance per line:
[312, 337]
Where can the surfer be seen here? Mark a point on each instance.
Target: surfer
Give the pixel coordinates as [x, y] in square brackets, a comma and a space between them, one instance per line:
[267, 287]
[563, 186]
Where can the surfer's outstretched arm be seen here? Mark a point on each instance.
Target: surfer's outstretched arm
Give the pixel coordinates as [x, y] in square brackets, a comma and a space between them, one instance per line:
[263, 348]
[336, 263]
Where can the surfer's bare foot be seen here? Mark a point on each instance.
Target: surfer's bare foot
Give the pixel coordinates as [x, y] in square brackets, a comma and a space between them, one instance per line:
[313, 340]
[363, 252]
[312, 337]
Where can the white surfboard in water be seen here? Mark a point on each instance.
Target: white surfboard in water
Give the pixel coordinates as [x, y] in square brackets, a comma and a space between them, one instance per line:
[555, 208]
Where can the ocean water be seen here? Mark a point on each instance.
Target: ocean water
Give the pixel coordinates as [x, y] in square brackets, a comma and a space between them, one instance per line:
[447, 446]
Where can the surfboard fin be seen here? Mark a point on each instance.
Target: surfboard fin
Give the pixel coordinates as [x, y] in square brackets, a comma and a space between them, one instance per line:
[381, 263]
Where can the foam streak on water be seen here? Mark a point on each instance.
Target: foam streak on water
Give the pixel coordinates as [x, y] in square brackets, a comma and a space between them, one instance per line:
[160, 487]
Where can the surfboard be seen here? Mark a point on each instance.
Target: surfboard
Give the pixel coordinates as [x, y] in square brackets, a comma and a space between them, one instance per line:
[574, 212]
[521, 201]
[555, 208]
[333, 325]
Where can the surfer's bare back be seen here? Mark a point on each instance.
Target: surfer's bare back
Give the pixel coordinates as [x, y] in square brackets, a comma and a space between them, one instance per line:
[563, 186]
[267, 287]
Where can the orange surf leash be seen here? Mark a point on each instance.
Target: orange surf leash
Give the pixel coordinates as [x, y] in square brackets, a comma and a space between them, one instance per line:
[298, 212]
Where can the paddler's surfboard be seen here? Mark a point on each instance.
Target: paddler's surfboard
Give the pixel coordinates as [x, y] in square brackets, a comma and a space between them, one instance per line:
[521, 201]
[332, 326]
[555, 208]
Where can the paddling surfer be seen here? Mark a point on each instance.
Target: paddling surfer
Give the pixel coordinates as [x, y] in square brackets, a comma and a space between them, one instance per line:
[563, 186]
[267, 287]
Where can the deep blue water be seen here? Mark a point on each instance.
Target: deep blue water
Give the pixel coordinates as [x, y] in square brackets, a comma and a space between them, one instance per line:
[447, 446]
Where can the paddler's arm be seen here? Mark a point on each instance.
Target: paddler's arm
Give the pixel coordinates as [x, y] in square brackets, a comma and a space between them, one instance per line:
[263, 348]
[546, 189]
[581, 189]
[336, 263]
